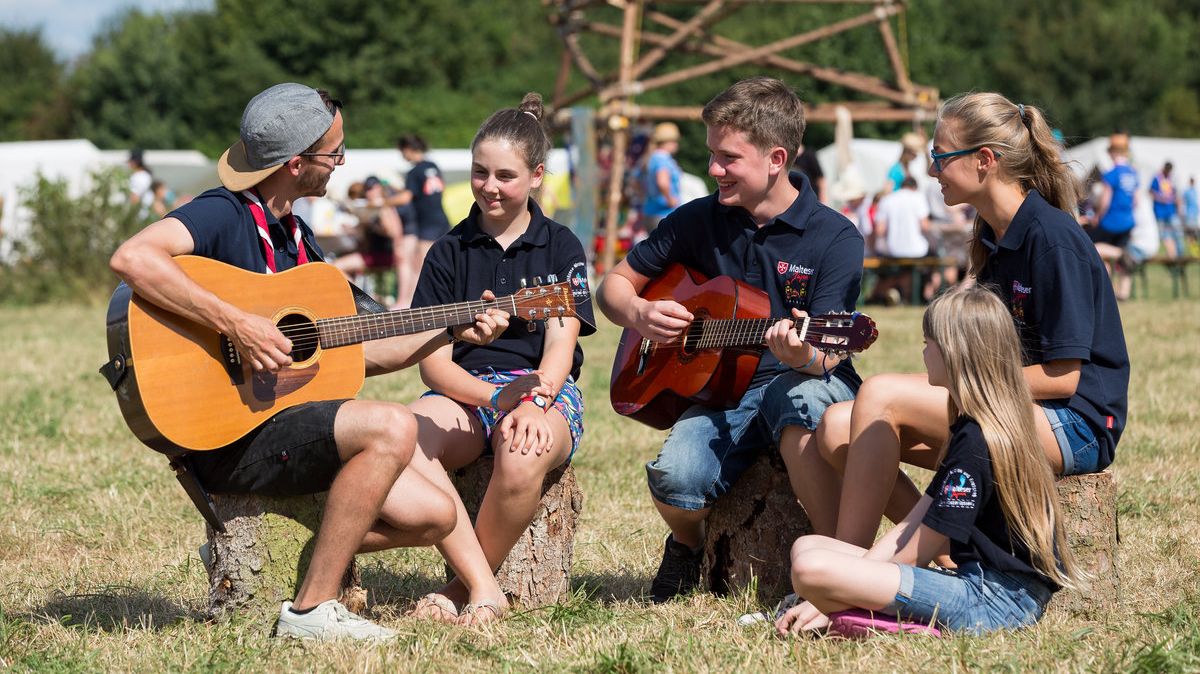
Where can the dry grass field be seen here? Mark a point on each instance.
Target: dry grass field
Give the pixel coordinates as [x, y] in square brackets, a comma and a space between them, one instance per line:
[99, 572]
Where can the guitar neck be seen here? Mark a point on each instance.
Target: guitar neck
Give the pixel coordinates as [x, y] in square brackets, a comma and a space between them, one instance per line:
[735, 332]
[346, 330]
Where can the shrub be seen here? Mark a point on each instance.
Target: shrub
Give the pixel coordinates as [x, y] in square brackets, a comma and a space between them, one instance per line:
[64, 254]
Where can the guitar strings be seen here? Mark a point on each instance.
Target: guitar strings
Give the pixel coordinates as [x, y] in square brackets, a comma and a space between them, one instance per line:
[357, 327]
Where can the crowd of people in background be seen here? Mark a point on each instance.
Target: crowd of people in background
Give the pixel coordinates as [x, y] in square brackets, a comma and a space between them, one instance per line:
[383, 231]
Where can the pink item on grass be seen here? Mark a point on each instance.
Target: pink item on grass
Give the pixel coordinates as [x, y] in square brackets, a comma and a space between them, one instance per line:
[860, 624]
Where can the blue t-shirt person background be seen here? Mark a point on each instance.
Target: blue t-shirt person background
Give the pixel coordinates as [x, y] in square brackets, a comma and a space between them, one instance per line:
[660, 180]
[1122, 182]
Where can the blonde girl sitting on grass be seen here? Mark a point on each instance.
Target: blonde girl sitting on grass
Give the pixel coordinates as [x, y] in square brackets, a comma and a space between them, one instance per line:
[992, 499]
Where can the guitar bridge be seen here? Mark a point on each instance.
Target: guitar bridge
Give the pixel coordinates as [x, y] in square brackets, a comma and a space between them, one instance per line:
[232, 360]
[644, 355]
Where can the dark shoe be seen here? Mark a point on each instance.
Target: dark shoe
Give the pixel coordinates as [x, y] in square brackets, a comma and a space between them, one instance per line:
[679, 572]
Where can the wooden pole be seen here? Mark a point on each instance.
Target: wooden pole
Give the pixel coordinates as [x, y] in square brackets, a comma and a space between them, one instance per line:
[626, 88]
[893, 52]
[710, 13]
[619, 126]
[821, 113]
[722, 45]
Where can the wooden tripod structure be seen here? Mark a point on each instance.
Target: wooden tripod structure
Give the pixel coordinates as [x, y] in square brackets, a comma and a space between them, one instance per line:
[641, 25]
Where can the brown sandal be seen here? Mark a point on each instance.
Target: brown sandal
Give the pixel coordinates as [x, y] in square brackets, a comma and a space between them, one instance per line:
[449, 612]
[472, 610]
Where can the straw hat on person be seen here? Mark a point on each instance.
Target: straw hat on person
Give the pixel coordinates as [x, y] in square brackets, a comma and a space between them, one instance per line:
[665, 132]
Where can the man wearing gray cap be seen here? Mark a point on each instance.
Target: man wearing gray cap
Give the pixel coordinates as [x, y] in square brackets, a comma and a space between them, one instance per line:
[291, 141]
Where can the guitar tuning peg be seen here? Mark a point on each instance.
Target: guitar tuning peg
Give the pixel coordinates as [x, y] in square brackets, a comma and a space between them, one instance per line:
[523, 283]
[531, 326]
[537, 280]
[560, 321]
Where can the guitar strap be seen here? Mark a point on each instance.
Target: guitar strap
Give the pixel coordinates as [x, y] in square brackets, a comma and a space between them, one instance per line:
[195, 491]
[253, 201]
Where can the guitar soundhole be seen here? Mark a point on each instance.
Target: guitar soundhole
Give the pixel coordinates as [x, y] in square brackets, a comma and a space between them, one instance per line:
[303, 333]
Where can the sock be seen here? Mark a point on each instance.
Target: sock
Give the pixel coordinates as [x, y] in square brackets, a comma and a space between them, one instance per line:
[303, 612]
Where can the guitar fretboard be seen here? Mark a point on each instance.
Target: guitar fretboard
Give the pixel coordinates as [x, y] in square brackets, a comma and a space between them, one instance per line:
[342, 331]
[721, 333]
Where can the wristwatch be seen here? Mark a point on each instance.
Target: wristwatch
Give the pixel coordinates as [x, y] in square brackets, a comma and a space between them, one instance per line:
[538, 400]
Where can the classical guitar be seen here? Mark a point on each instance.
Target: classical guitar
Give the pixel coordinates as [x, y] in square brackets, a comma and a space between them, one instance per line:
[713, 362]
[184, 387]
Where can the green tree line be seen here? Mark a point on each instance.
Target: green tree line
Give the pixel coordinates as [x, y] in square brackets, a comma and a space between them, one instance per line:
[180, 80]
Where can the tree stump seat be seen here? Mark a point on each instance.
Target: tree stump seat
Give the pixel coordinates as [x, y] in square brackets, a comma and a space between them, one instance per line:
[264, 553]
[751, 529]
[537, 571]
[261, 559]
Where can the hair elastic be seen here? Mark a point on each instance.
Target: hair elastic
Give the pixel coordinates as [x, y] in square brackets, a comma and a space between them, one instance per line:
[530, 114]
[1021, 112]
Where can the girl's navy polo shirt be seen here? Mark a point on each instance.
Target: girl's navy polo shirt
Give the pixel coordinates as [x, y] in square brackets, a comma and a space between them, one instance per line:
[809, 257]
[467, 261]
[223, 229]
[966, 506]
[1049, 275]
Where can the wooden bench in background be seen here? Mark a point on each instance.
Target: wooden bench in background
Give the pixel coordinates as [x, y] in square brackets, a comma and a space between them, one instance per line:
[751, 530]
[1176, 267]
[873, 267]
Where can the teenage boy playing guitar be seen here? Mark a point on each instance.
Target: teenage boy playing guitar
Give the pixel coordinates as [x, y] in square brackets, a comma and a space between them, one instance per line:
[766, 227]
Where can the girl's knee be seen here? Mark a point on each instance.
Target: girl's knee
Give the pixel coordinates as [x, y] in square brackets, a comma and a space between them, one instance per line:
[880, 392]
[807, 543]
[513, 472]
[810, 569]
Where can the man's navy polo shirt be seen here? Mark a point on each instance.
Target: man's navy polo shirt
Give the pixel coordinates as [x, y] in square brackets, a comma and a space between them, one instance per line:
[809, 257]
[467, 261]
[223, 229]
[1048, 274]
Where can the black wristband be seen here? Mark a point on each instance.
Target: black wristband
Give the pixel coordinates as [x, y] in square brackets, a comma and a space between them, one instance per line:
[450, 334]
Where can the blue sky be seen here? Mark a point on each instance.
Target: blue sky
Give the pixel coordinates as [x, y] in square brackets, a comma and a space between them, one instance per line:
[68, 25]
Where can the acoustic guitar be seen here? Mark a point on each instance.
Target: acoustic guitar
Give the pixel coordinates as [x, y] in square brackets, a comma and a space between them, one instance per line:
[183, 387]
[714, 360]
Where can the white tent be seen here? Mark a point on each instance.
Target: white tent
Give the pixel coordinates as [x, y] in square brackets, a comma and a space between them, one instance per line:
[69, 160]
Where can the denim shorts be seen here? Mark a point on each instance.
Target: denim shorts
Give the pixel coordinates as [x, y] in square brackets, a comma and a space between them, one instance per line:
[569, 404]
[291, 454]
[1076, 440]
[970, 599]
[708, 449]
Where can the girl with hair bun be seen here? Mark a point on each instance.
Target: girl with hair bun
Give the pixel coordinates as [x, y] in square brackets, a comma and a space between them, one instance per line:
[992, 500]
[1002, 158]
[517, 398]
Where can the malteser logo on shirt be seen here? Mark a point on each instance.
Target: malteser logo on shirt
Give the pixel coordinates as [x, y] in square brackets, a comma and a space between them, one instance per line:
[795, 280]
[958, 490]
[1020, 293]
[791, 269]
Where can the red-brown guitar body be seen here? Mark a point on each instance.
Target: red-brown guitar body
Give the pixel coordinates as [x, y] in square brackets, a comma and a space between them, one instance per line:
[655, 383]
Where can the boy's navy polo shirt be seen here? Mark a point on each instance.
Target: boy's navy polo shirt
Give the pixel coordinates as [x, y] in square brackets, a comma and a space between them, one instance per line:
[1061, 299]
[467, 261]
[809, 257]
[223, 229]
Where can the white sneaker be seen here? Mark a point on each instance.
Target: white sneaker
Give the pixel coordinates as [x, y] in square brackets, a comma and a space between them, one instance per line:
[328, 621]
[782, 607]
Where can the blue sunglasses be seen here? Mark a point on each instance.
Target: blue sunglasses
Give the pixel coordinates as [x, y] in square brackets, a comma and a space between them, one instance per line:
[937, 158]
